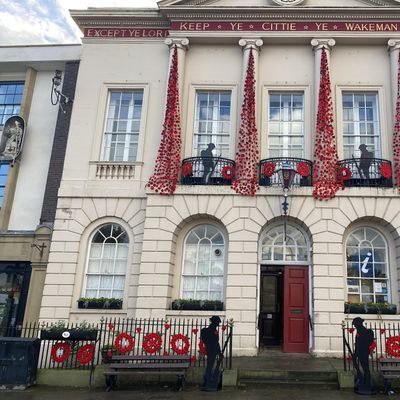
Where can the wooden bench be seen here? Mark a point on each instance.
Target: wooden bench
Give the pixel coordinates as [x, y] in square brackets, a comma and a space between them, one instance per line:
[390, 368]
[145, 365]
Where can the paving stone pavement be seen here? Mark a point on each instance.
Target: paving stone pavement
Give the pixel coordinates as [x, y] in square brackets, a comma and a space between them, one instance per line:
[191, 393]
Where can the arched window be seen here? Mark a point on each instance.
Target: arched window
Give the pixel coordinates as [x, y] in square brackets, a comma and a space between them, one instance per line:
[203, 264]
[274, 247]
[107, 261]
[367, 267]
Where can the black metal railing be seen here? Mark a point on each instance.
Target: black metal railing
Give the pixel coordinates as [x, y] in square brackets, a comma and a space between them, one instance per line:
[207, 171]
[371, 172]
[108, 330]
[269, 170]
[381, 346]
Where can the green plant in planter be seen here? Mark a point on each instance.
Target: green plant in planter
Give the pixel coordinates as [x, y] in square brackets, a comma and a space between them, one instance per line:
[61, 331]
[101, 302]
[370, 308]
[191, 304]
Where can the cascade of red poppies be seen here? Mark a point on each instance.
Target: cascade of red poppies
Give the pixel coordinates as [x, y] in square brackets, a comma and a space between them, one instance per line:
[325, 165]
[247, 150]
[165, 176]
[396, 132]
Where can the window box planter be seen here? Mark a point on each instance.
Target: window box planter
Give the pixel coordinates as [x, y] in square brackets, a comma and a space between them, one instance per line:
[197, 305]
[101, 303]
[370, 308]
[68, 334]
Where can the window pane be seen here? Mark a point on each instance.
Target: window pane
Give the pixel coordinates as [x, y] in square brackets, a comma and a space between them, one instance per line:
[123, 115]
[365, 263]
[212, 123]
[202, 264]
[360, 111]
[108, 260]
[286, 124]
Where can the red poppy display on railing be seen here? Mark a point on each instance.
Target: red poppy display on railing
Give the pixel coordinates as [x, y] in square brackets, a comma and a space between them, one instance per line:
[386, 170]
[185, 344]
[85, 354]
[344, 174]
[187, 169]
[228, 172]
[60, 352]
[124, 343]
[269, 169]
[152, 343]
[392, 346]
[302, 169]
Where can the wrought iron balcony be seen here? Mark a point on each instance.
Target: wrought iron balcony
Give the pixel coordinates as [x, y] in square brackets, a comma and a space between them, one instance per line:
[269, 170]
[207, 171]
[365, 172]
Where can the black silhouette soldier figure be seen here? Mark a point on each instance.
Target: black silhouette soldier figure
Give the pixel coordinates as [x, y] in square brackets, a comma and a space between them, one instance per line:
[364, 340]
[210, 338]
[365, 162]
[208, 162]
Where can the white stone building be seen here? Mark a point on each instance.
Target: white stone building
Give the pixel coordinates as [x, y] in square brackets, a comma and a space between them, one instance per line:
[115, 237]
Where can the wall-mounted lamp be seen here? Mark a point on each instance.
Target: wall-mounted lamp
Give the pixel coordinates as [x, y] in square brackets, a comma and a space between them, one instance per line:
[57, 97]
[286, 177]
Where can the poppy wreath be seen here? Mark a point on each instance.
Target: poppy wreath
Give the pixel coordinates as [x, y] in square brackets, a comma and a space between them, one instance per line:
[185, 344]
[227, 172]
[187, 169]
[344, 174]
[151, 343]
[202, 348]
[386, 170]
[269, 169]
[60, 352]
[393, 346]
[303, 169]
[124, 337]
[85, 354]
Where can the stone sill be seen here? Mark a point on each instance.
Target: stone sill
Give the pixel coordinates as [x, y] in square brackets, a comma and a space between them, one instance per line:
[194, 313]
[97, 311]
[374, 317]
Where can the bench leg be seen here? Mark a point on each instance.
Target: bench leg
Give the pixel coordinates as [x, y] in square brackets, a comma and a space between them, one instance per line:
[181, 382]
[388, 387]
[111, 382]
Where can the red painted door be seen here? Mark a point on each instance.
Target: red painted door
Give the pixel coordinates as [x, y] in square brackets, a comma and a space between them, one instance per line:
[295, 314]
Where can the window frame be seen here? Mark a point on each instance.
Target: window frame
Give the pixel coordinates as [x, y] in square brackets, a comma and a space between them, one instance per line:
[362, 89]
[285, 262]
[192, 112]
[389, 279]
[265, 111]
[101, 120]
[183, 253]
[87, 259]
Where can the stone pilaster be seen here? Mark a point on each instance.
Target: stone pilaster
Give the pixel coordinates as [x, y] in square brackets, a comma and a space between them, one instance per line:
[394, 49]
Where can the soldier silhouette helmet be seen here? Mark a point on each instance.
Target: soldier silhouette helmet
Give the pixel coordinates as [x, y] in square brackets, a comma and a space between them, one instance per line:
[358, 322]
[362, 146]
[215, 320]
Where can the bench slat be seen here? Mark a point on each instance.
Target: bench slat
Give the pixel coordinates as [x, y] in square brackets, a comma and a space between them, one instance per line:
[389, 360]
[390, 368]
[149, 366]
[149, 358]
[125, 372]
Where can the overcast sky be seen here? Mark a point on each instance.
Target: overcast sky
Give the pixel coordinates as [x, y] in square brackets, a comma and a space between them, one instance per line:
[48, 21]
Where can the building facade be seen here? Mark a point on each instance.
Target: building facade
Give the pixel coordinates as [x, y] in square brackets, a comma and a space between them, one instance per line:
[283, 276]
[26, 74]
